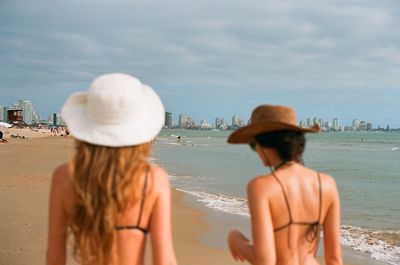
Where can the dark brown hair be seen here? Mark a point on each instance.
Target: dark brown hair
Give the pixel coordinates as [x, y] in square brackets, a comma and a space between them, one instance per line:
[289, 144]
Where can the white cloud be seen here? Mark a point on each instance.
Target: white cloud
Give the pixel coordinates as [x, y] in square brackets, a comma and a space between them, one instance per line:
[272, 48]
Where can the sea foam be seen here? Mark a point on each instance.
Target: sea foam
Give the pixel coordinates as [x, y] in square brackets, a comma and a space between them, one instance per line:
[220, 202]
[382, 245]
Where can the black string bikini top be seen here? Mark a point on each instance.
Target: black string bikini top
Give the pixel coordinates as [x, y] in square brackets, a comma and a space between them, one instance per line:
[313, 231]
[137, 226]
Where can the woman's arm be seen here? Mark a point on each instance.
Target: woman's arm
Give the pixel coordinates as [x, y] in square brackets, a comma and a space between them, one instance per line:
[263, 249]
[160, 225]
[333, 253]
[57, 227]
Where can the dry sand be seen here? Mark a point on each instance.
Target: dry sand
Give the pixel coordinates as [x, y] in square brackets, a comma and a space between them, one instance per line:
[27, 133]
[26, 166]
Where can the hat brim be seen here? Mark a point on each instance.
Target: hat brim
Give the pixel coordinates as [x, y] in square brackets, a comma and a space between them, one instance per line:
[133, 131]
[247, 134]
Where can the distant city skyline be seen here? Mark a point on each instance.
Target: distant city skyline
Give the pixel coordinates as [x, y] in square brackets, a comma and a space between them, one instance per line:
[32, 116]
[333, 123]
[327, 59]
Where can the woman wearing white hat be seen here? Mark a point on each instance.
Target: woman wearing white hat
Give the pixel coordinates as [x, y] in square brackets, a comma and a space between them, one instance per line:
[109, 197]
[289, 206]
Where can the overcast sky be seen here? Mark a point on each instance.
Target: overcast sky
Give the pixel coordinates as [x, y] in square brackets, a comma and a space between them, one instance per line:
[210, 58]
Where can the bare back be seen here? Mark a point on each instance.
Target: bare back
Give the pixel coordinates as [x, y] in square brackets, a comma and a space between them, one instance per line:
[296, 201]
[151, 213]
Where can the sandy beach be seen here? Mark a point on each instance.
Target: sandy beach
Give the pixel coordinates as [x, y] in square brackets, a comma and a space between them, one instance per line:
[26, 166]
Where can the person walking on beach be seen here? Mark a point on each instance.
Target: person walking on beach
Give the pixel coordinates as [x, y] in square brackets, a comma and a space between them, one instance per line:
[289, 206]
[109, 197]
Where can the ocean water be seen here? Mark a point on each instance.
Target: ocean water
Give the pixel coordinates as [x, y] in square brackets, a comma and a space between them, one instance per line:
[366, 167]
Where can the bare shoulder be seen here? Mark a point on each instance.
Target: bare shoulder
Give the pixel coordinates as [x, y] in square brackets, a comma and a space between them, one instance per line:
[60, 174]
[329, 187]
[261, 184]
[61, 180]
[328, 181]
[159, 176]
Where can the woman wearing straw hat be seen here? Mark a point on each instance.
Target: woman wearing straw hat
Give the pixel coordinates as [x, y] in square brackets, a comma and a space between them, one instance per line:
[109, 197]
[289, 206]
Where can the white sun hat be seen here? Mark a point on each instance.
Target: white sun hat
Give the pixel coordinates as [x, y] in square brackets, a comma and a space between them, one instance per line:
[117, 110]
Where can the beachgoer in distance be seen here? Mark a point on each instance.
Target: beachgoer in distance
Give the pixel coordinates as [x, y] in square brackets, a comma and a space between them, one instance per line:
[1, 138]
[289, 206]
[109, 197]
[178, 139]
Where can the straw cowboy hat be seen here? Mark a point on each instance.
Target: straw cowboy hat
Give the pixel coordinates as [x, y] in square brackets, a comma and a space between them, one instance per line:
[117, 110]
[268, 118]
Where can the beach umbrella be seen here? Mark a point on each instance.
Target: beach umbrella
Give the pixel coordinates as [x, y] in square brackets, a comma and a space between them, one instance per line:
[5, 124]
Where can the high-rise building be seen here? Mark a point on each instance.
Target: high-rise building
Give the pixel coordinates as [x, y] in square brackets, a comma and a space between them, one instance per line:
[205, 125]
[168, 120]
[27, 110]
[190, 122]
[362, 126]
[320, 122]
[335, 124]
[55, 119]
[182, 121]
[369, 126]
[309, 122]
[235, 121]
[5, 114]
[315, 121]
[36, 117]
[220, 124]
[355, 124]
[1, 113]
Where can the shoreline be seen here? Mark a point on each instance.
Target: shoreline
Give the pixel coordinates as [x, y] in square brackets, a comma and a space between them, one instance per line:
[215, 175]
[26, 166]
[219, 223]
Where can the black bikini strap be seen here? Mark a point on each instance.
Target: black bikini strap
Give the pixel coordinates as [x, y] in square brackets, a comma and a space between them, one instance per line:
[286, 199]
[143, 197]
[287, 205]
[320, 198]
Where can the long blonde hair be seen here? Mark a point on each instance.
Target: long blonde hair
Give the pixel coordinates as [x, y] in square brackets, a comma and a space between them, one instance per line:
[105, 181]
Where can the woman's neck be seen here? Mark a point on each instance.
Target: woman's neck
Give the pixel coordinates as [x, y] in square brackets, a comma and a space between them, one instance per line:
[271, 159]
[282, 163]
